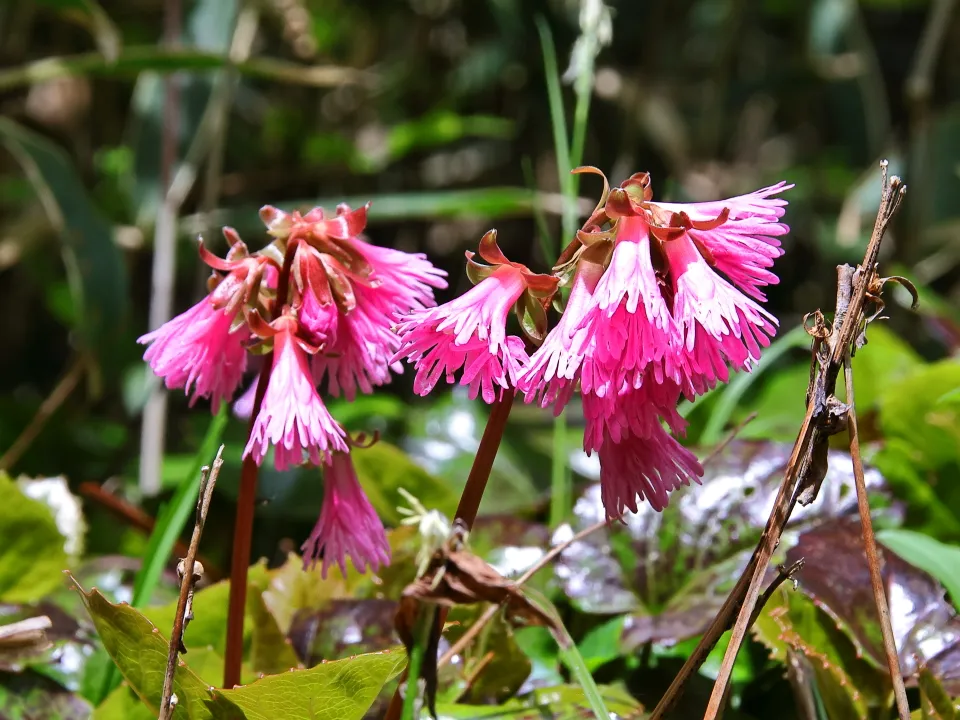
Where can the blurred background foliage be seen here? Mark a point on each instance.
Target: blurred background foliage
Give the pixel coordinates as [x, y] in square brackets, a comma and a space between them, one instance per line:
[437, 111]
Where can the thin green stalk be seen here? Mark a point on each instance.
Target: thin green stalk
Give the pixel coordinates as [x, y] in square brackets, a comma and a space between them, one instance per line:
[421, 634]
[559, 123]
[561, 480]
[584, 89]
[171, 521]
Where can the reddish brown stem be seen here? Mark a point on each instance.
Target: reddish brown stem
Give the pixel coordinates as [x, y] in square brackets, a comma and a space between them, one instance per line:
[246, 503]
[470, 500]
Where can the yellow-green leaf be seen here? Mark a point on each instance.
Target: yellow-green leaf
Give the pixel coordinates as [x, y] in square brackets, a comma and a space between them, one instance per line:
[32, 555]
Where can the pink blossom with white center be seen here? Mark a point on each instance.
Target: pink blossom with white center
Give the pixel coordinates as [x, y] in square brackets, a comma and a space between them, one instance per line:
[360, 358]
[348, 525]
[630, 320]
[718, 324]
[470, 333]
[292, 417]
[633, 412]
[554, 368]
[197, 351]
[746, 244]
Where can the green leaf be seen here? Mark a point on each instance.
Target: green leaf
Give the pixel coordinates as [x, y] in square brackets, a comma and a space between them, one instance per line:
[384, 468]
[32, 555]
[140, 652]
[929, 554]
[935, 703]
[602, 644]
[885, 361]
[270, 651]
[209, 625]
[847, 684]
[93, 260]
[339, 690]
[123, 704]
[910, 411]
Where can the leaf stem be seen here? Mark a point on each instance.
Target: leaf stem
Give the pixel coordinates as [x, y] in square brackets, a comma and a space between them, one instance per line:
[422, 634]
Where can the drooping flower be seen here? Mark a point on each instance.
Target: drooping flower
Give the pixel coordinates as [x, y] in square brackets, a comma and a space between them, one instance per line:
[638, 457]
[204, 348]
[669, 316]
[554, 369]
[348, 525]
[197, 351]
[292, 417]
[469, 333]
[351, 295]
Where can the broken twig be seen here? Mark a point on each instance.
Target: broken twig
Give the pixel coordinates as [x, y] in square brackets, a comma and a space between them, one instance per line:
[189, 570]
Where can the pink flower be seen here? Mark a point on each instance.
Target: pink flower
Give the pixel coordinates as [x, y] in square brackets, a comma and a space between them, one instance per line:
[638, 458]
[718, 324]
[630, 319]
[361, 356]
[292, 417]
[554, 368]
[746, 244]
[348, 525]
[648, 468]
[470, 331]
[403, 281]
[197, 350]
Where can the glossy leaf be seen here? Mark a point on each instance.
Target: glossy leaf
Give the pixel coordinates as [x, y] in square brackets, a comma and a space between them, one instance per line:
[671, 571]
[925, 626]
[562, 702]
[32, 555]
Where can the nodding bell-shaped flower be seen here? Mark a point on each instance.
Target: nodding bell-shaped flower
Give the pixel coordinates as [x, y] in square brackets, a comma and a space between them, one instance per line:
[203, 350]
[292, 417]
[469, 333]
[348, 526]
[351, 293]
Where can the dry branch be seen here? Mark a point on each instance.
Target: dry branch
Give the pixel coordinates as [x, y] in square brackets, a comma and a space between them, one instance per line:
[825, 416]
[189, 570]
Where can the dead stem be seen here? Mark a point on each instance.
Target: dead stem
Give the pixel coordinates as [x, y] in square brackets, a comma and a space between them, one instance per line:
[190, 571]
[870, 547]
[823, 418]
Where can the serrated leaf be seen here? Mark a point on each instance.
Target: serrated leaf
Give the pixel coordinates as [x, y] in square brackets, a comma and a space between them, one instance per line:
[340, 690]
[32, 555]
[925, 627]
[140, 652]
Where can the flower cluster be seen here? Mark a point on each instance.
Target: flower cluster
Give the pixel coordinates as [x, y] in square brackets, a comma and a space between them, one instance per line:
[322, 302]
[664, 299]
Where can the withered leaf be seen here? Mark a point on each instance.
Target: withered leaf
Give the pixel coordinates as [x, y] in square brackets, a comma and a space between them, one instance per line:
[457, 577]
